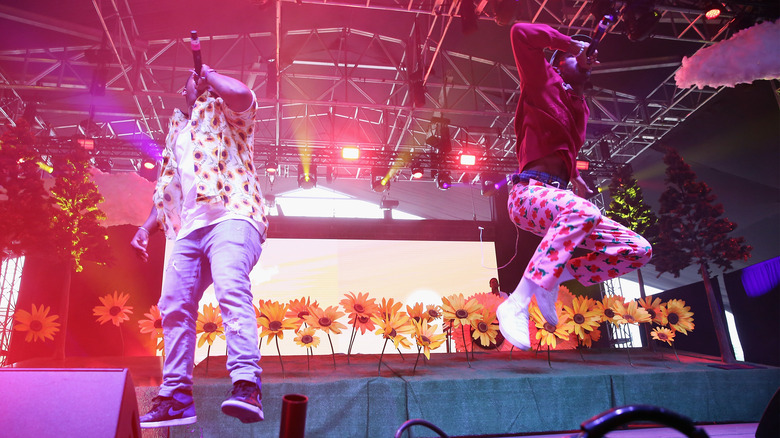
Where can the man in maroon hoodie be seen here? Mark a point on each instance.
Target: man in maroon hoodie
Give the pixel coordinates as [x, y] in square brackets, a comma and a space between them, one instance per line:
[550, 125]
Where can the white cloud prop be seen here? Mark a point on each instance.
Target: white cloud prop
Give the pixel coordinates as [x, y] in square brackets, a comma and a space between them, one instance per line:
[128, 197]
[751, 54]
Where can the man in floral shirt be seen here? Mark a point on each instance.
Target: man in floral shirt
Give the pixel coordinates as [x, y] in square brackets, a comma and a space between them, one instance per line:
[550, 125]
[208, 201]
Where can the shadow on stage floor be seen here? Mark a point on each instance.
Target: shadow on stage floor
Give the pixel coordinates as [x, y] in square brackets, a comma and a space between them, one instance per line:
[492, 394]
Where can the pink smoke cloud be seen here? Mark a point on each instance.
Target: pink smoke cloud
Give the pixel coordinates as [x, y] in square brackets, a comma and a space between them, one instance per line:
[128, 197]
[751, 54]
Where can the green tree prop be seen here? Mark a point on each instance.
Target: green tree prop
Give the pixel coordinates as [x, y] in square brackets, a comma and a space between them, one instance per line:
[691, 230]
[25, 207]
[629, 209]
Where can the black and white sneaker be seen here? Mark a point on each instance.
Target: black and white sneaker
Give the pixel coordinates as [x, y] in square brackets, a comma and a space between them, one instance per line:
[167, 411]
[244, 403]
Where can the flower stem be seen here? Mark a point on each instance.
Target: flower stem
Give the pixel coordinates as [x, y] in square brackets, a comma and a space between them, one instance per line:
[352, 337]
[208, 353]
[332, 350]
[379, 368]
[279, 352]
[416, 360]
[463, 334]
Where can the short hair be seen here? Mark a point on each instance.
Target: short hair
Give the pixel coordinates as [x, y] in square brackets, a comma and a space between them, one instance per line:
[558, 54]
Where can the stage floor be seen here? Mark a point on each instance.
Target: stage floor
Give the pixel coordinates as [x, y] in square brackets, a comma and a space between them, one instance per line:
[493, 394]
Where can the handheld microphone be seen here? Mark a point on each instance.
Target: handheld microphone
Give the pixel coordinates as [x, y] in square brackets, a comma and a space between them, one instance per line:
[195, 46]
[599, 33]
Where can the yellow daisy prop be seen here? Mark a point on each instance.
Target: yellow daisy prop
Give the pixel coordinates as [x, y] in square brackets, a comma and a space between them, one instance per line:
[113, 309]
[546, 333]
[581, 316]
[393, 327]
[605, 307]
[426, 338]
[273, 321]
[485, 330]
[306, 339]
[629, 313]
[360, 310]
[663, 334]
[654, 308]
[152, 324]
[458, 311]
[679, 316]
[209, 325]
[38, 324]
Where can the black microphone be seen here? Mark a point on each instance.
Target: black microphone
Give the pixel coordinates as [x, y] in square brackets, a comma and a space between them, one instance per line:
[599, 33]
[195, 46]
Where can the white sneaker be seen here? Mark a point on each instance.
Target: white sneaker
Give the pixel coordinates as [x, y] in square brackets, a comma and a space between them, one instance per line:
[513, 323]
[546, 301]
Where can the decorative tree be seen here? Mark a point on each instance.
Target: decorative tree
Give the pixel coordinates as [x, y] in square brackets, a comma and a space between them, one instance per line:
[25, 207]
[692, 231]
[628, 208]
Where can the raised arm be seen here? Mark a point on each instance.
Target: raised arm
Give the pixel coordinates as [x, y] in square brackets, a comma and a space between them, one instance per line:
[236, 95]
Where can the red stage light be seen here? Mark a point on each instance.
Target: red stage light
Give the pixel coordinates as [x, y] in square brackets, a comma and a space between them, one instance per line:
[148, 164]
[712, 13]
[582, 165]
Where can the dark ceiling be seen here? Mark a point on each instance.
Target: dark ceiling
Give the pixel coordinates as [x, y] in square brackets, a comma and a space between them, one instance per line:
[344, 77]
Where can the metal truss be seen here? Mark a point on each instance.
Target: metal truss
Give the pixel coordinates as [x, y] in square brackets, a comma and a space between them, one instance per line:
[323, 88]
[10, 277]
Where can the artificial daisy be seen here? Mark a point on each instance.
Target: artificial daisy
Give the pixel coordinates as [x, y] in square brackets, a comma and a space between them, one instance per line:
[416, 312]
[38, 324]
[582, 316]
[679, 316]
[325, 320]
[388, 307]
[394, 327]
[654, 308]
[432, 312]
[152, 324]
[589, 337]
[485, 330]
[209, 324]
[547, 333]
[298, 310]
[629, 313]
[605, 307]
[426, 337]
[457, 310]
[663, 334]
[360, 310]
[488, 300]
[305, 338]
[113, 309]
[273, 321]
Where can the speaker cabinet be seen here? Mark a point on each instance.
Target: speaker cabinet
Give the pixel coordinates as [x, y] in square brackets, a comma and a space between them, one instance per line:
[41, 402]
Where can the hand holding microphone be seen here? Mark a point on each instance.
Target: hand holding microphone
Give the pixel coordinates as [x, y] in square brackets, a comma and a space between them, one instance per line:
[196, 57]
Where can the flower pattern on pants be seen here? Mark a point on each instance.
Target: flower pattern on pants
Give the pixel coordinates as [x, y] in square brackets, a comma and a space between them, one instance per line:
[566, 221]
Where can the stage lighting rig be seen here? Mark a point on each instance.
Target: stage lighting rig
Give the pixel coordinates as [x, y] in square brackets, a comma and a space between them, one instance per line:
[380, 181]
[443, 179]
[307, 179]
[640, 17]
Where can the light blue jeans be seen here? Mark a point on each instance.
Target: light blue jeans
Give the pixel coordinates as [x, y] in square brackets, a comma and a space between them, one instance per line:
[222, 254]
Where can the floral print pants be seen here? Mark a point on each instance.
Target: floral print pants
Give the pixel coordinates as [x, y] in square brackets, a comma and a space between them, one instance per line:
[566, 222]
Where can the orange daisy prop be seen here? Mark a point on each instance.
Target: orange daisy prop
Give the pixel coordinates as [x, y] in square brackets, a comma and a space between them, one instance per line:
[360, 310]
[394, 327]
[298, 310]
[152, 324]
[389, 307]
[589, 337]
[416, 312]
[209, 325]
[273, 321]
[605, 307]
[581, 316]
[679, 316]
[663, 334]
[325, 320]
[432, 312]
[113, 309]
[306, 338]
[458, 311]
[38, 324]
[629, 313]
[654, 308]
